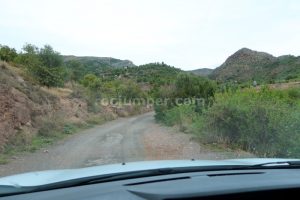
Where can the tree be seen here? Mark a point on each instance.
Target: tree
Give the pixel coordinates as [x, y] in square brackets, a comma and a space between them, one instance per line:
[30, 49]
[130, 90]
[44, 65]
[93, 85]
[197, 89]
[76, 70]
[191, 86]
[91, 82]
[50, 77]
[49, 57]
[7, 54]
[29, 56]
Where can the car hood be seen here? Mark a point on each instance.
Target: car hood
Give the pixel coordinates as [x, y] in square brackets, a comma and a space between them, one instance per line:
[53, 176]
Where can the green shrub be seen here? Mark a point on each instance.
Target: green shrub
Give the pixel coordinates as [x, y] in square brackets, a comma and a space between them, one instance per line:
[51, 126]
[50, 77]
[69, 129]
[130, 90]
[291, 76]
[183, 116]
[294, 93]
[265, 122]
[7, 54]
[48, 129]
[45, 65]
[186, 87]
[96, 120]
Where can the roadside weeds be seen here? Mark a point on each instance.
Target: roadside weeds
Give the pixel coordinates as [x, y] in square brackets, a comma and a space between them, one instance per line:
[44, 140]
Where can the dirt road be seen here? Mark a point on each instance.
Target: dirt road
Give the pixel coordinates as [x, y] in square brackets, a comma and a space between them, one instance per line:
[123, 140]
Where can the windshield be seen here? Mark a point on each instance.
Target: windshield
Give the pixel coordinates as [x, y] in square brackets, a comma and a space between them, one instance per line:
[92, 83]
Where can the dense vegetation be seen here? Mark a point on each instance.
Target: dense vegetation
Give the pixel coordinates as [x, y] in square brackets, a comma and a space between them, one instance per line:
[187, 89]
[264, 122]
[44, 65]
[92, 65]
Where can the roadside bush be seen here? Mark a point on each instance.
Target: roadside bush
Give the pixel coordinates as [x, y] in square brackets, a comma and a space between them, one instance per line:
[165, 92]
[130, 90]
[198, 90]
[294, 93]
[183, 116]
[264, 122]
[69, 129]
[191, 86]
[20, 139]
[160, 112]
[96, 120]
[50, 77]
[51, 126]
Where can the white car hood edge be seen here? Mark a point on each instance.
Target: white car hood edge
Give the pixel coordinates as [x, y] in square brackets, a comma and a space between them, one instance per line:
[52, 176]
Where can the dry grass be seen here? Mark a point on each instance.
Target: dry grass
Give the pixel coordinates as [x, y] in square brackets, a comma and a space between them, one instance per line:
[17, 70]
[285, 85]
[282, 86]
[3, 65]
[59, 92]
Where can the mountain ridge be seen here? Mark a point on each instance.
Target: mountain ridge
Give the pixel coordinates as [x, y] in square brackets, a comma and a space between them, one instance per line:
[100, 61]
[247, 65]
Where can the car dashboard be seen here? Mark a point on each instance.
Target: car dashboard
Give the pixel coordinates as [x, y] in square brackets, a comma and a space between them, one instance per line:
[229, 184]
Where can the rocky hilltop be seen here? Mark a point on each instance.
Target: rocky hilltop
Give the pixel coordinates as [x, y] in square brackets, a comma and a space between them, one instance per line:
[247, 65]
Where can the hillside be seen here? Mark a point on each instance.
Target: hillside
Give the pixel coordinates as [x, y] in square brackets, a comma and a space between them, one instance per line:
[100, 61]
[246, 65]
[95, 65]
[31, 112]
[21, 104]
[202, 71]
[152, 73]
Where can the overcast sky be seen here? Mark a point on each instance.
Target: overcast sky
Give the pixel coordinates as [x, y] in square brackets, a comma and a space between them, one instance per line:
[188, 34]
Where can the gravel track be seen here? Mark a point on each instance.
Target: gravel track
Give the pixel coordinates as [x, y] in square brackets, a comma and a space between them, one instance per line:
[123, 140]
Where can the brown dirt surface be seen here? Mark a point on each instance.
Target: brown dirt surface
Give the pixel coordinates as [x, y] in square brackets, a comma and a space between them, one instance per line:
[136, 138]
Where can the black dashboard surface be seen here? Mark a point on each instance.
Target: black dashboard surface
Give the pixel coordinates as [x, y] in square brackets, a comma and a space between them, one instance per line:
[243, 184]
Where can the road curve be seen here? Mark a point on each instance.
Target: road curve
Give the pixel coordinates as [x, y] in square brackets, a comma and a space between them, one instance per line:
[123, 140]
